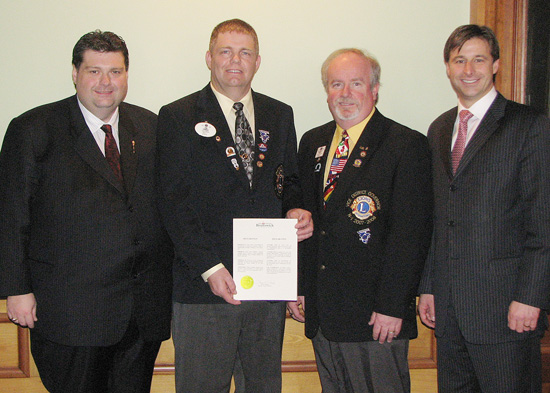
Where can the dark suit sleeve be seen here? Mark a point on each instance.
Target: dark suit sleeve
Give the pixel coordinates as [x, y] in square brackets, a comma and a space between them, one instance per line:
[183, 223]
[409, 230]
[533, 284]
[19, 177]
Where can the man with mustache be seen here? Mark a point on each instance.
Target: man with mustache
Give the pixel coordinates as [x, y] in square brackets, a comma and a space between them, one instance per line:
[366, 180]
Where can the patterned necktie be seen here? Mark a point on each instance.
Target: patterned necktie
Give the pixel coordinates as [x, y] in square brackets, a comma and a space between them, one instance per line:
[338, 163]
[111, 151]
[244, 140]
[460, 143]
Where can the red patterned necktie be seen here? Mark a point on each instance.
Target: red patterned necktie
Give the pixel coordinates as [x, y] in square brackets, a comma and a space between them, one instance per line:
[338, 163]
[111, 151]
[460, 143]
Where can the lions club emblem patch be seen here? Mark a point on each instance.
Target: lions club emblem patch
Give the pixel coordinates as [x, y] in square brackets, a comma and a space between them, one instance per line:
[363, 205]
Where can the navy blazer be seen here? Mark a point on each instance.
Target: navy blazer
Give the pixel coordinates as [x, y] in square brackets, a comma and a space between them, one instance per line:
[370, 243]
[204, 185]
[491, 240]
[92, 250]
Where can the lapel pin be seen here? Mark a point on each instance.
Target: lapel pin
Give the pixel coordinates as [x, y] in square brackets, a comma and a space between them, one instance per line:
[320, 152]
[230, 151]
[205, 129]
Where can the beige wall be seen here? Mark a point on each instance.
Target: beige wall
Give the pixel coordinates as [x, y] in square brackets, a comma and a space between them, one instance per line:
[167, 40]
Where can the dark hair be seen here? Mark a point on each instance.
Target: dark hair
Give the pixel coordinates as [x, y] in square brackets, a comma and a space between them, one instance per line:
[234, 26]
[100, 41]
[464, 33]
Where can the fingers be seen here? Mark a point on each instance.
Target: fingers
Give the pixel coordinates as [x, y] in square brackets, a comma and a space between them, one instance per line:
[21, 309]
[426, 310]
[294, 311]
[304, 226]
[222, 285]
[522, 317]
[385, 327]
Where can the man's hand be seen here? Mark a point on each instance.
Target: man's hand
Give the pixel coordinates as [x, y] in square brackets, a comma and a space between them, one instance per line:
[522, 317]
[22, 309]
[385, 328]
[304, 225]
[294, 309]
[426, 310]
[222, 285]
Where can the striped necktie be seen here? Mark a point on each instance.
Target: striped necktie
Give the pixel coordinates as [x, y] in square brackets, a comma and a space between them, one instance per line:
[338, 163]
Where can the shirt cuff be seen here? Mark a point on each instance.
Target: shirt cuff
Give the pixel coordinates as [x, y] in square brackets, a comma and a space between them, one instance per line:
[211, 271]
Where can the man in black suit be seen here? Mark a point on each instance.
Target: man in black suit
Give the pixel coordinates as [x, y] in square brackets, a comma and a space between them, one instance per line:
[366, 180]
[487, 274]
[207, 179]
[86, 264]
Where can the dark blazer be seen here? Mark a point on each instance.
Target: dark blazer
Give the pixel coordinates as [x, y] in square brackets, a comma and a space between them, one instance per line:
[203, 190]
[91, 250]
[491, 241]
[347, 274]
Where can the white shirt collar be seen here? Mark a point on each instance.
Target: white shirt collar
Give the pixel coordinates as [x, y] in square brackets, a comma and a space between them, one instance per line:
[226, 104]
[94, 123]
[481, 106]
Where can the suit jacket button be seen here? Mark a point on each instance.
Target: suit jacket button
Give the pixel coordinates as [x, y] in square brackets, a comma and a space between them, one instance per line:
[453, 187]
[323, 233]
[137, 242]
[451, 223]
[251, 201]
[322, 267]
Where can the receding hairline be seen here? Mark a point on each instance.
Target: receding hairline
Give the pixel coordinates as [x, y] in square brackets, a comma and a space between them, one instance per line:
[369, 59]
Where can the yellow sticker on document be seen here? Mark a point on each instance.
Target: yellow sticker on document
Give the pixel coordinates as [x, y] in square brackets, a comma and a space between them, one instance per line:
[247, 282]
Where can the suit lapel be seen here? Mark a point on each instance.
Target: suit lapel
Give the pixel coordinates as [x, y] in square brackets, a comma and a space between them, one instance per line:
[264, 138]
[489, 124]
[321, 160]
[128, 152]
[445, 140]
[87, 149]
[209, 110]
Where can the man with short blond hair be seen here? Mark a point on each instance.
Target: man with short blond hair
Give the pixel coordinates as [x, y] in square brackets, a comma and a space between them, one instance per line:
[225, 152]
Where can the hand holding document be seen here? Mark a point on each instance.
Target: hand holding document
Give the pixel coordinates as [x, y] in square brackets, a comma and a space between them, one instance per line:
[265, 259]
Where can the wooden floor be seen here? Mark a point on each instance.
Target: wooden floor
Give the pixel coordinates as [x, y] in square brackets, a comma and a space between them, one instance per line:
[423, 382]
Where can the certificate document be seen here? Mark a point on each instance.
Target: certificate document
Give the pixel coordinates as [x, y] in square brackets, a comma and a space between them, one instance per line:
[265, 258]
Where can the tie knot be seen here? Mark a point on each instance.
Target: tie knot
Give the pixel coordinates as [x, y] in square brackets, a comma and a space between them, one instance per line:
[238, 106]
[465, 115]
[107, 128]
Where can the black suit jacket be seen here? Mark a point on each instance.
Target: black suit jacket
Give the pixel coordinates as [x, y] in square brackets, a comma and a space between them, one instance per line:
[92, 251]
[368, 256]
[491, 241]
[203, 190]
